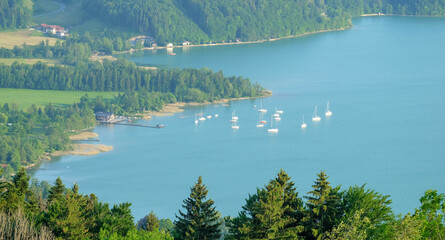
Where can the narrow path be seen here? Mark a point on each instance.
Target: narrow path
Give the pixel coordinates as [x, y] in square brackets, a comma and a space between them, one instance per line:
[62, 7]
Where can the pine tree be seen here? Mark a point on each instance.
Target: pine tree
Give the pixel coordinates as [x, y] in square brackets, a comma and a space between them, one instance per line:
[200, 221]
[56, 192]
[274, 212]
[323, 207]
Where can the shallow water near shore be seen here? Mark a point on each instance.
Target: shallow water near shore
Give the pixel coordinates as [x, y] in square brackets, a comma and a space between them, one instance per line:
[384, 78]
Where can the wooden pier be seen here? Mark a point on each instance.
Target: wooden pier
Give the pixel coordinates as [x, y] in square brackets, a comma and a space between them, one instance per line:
[135, 125]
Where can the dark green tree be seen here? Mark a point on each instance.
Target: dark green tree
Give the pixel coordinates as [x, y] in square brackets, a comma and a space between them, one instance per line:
[200, 221]
[56, 191]
[274, 212]
[324, 205]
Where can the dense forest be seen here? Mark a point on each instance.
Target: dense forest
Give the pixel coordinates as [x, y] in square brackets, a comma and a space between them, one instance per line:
[26, 136]
[201, 21]
[14, 14]
[38, 210]
[186, 85]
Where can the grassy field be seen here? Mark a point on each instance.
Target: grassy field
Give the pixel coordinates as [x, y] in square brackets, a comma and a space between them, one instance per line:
[45, 6]
[24, 98]
[74, 16]
[10, 39]
[9, 61]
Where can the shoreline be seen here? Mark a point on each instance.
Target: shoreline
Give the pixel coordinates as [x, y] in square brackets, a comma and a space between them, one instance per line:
[228, 43]
[173, 108]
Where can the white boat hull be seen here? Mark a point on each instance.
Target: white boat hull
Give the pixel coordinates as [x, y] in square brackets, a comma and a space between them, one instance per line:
[262, 110]
[202, 119]
[272, 130]
[235, 127]
[260, 125]
[303, 125]
[316, 119]
[280, 111]
[277, 119]
[328, 114]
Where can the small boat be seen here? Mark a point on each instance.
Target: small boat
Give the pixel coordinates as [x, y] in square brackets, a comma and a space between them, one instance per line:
[201, 118]
[196, 120]
[271, 129]
[172, 54]
[261, 107]
[328, 113]
[259, 124]
[280, 111]
[303, 125]
[277, 118]
[315, 117]
[234, 117]
[210, 116]
[263, 121]
[276, 115]
[235, 127]
[216, 115]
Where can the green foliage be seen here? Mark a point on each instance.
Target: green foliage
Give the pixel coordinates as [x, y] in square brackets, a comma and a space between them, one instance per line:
[354, 227]
[323, 207]
[14, 14]
[274, 212]
[28, 135]
[200, 221]
[186, 85]
[432, 212]
[374, 207]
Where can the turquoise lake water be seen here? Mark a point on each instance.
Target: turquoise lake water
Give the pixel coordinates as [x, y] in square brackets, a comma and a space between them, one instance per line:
[384, 78]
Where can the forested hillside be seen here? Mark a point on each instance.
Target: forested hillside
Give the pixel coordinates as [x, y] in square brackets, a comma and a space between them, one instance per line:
[200, 21]
[14, 14]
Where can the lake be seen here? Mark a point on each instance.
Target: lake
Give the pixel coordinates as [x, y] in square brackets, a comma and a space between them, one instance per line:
[384, 79]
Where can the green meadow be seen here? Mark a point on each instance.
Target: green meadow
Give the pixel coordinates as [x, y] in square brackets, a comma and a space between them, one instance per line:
[24, 98]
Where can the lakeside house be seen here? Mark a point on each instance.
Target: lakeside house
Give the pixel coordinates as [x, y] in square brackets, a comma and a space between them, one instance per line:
[170, 45]
[145, 40]
[53, 29]
[105, 116]
[186, 43]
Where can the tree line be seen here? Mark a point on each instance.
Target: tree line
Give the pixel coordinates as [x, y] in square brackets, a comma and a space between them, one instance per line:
[13, 14]
[186, 85]
[38, 210]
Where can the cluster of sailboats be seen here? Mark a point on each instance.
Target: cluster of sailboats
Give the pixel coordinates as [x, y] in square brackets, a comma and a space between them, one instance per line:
[202, 118]
[273, 118]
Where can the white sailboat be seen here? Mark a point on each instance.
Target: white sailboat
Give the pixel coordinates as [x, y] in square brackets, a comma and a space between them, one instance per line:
[272, 129]
[315, 117]
[216, 115]
[210, 116]
[328, 113]
[201, 118]
[261, 107]
[196, 120]
[234, 117]
[234, 126]
[259, 124]
[303, 125]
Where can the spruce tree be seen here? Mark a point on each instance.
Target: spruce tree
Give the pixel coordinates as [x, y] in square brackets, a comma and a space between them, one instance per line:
[323, 207]
[274, 212]
[200, 221]
[56, 191]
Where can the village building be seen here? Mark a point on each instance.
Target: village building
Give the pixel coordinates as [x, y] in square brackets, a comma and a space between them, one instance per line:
[186, 43]
[105, 116]
[170, 45]
[53, 29]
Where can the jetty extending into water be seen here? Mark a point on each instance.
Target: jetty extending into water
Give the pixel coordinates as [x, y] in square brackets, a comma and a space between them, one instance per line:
[135, 125]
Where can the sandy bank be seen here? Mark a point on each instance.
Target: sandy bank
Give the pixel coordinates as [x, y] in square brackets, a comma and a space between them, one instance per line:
[83, 136]
[84, 150]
